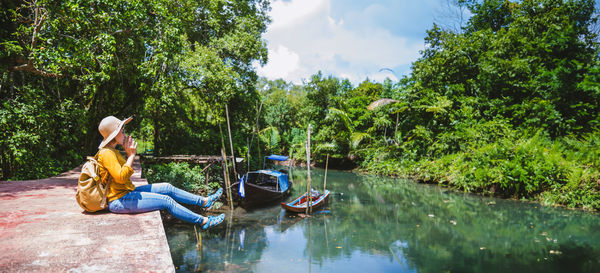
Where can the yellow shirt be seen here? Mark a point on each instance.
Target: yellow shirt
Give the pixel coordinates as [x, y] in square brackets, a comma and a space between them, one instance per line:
[113, 162]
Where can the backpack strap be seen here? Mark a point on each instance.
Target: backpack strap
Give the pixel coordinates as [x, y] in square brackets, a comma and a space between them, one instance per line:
[103, 203]
[106, 188]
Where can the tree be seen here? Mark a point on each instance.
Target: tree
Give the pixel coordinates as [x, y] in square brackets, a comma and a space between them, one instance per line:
[67, 64]
[523, 61]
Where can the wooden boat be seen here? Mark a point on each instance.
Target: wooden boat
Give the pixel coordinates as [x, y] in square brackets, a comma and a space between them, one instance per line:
[300, 203]
[262, 187]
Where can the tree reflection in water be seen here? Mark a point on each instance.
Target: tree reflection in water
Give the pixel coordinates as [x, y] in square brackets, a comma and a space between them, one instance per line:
[380, 224]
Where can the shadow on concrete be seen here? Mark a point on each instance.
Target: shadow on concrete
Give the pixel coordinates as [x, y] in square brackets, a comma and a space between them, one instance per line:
[19, 187]
[42, 228]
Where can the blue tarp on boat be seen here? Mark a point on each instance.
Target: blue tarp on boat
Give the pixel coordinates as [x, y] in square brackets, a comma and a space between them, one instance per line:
[241, 189]
[278, 157]
[282, 178]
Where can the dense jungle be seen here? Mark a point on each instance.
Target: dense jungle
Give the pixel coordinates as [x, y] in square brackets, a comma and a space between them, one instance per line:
[508, 105]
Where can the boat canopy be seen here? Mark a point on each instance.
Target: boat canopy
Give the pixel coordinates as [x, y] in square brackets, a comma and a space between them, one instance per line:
[278, 157]
[282, 178]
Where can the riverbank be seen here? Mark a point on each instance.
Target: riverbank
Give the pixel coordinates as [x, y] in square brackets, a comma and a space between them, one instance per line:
[550, 172]
[43, 229]
[553, 172]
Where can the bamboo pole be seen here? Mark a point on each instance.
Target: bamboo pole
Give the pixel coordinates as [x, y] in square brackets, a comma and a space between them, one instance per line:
[229, 237]
[198, 247]
[207, 177]
[325, 180]
[308, 195]
[230, 222]
[205, 168]
[309, 247]
[254, 132]
[248, 157]
[226, 177]
[307, 174]
[231, 142]
[259, 155]
[396, 129]
[221, 134]
[290, 167]
[225, 169]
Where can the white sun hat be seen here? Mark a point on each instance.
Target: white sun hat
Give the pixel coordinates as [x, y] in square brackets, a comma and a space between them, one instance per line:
[109, 128]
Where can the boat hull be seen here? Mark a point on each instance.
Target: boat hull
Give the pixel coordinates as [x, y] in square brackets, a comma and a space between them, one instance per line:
[299, 204]
[260, 196]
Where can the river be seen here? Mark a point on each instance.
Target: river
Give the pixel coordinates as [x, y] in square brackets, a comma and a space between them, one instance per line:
[380, 224]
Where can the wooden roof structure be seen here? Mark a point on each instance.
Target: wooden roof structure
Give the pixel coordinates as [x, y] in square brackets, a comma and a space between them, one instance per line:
[193, 159]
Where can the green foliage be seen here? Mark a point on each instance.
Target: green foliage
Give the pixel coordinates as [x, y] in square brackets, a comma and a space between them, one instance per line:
[524, 61]
[180, 175]
[39, 136]
[270, 137]
[509, 105]
[173, 64]
[502, 107]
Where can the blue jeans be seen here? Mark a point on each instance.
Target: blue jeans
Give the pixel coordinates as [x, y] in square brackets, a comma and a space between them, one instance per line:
[159, 196]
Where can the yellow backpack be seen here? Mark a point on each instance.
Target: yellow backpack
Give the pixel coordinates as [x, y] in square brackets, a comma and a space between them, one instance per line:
[91, 194]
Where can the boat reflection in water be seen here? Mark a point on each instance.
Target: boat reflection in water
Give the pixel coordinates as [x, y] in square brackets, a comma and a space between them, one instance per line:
[382, 224]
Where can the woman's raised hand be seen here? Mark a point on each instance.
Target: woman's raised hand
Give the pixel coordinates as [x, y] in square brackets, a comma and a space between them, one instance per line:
[130, 146]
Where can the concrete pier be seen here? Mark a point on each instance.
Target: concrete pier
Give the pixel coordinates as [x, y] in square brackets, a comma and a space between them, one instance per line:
[43, 229]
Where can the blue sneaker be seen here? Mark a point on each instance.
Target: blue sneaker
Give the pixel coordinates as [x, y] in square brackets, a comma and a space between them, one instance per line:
[212, 198]
[213, 221]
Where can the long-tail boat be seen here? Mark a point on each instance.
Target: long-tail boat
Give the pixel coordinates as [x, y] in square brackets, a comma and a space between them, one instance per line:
[265, 186]
[300, 203]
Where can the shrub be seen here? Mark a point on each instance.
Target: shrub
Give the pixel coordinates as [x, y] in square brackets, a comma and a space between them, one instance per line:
[180, 175]
[555, 172]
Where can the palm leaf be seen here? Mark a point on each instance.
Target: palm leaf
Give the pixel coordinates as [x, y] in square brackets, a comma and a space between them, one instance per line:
[357, 138]
[380, 102]
[334, 113]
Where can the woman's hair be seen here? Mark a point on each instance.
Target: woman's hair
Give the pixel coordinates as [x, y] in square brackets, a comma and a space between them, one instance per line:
[111, 142]
[114, 140]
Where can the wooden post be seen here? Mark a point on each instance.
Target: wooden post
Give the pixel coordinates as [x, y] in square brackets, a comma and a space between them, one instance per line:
[255, 132]
[309, 247]
[248, 158]
[206, 180]
[396, 129]
[226, 177]
[308, 195]
[198, 240]
[325, 180]
[231, 143]
[307, 174]
[290, 168]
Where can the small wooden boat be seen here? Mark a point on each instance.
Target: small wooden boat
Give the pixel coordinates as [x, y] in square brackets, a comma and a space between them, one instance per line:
[262, 187]
[300, 203]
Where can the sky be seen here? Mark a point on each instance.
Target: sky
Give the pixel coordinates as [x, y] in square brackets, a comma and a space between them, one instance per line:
[351, 39]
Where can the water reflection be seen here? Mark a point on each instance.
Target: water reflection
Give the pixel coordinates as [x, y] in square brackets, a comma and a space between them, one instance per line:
[378, 224]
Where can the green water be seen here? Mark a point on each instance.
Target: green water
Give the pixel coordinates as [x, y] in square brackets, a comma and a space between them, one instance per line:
[378, 224]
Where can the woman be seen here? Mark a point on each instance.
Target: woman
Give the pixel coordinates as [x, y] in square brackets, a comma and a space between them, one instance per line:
[124, 197]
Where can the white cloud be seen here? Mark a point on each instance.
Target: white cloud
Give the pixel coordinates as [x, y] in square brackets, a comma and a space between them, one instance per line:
[285, 13]
[304, 38]
[281, 62]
